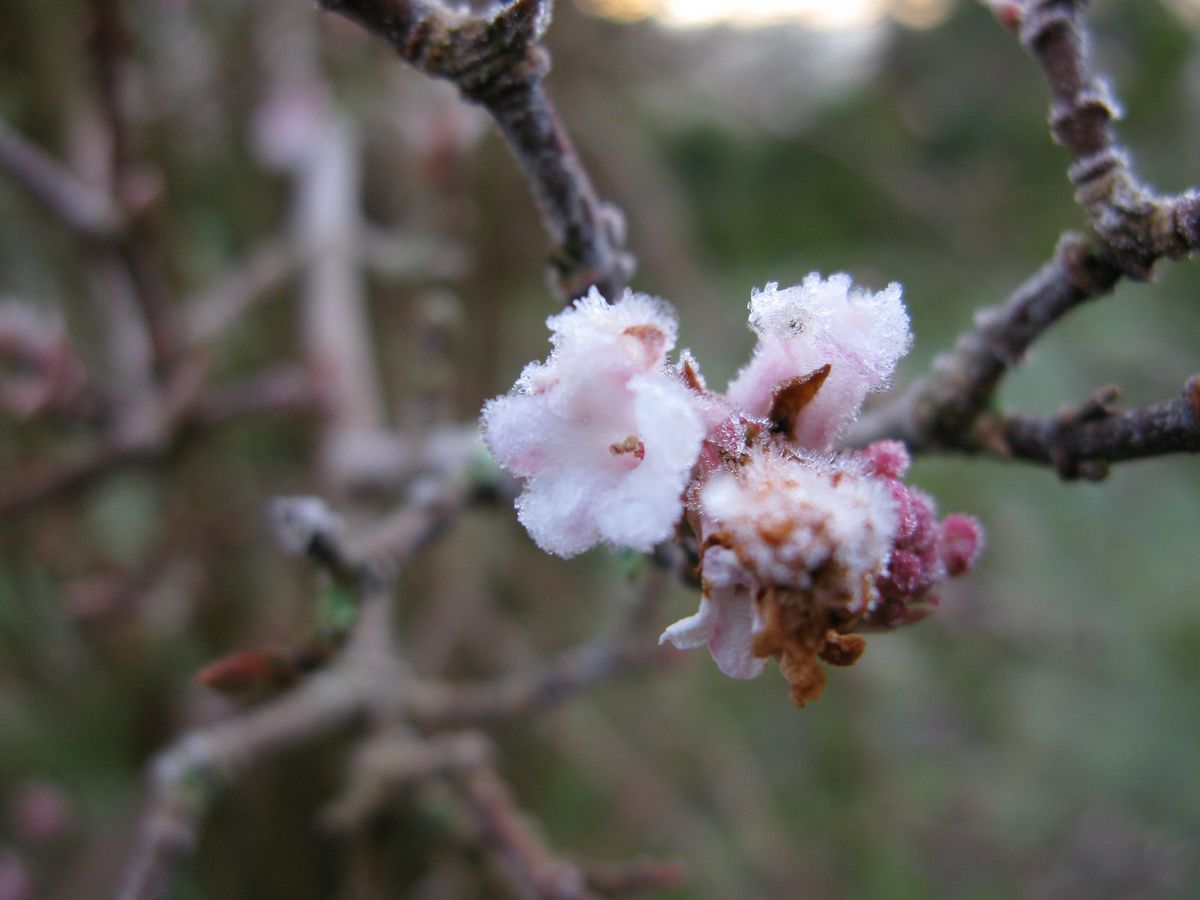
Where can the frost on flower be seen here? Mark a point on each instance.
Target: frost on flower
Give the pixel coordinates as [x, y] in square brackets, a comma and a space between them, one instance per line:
[803, 539]
[859, 335]
[800, 548]
[604, 434]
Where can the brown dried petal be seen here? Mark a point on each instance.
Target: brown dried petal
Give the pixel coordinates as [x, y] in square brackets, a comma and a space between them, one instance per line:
[791, 397]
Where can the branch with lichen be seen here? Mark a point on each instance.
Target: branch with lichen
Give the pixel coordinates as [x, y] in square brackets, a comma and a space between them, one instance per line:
[1131, 228]
[496, 59]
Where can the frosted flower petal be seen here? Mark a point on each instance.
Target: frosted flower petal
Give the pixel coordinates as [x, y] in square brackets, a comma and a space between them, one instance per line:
[603, 432]
[860, 334]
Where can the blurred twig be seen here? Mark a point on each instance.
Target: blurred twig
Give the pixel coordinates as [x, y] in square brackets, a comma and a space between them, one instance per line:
[87, 212]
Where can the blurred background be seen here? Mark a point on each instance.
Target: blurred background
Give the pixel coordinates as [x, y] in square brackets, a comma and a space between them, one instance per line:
[1038, 737]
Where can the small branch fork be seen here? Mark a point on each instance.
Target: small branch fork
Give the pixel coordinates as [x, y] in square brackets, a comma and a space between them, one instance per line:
[1130, 230]
[422, 729]
[498, 62]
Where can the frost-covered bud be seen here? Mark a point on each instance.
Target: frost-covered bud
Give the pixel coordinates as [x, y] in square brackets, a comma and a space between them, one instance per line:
[960, 542]
[805, 524]
[802, 329]
[925, 552]
[604, 434]
[793, 548]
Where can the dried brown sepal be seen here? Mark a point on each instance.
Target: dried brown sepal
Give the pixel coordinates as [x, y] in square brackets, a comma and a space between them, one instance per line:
[790, 399]
[691, 377]
[798, 632]
[842, 649]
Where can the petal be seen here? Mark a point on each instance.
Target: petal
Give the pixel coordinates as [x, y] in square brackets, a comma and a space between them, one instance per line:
[695, 630]
[731, 644]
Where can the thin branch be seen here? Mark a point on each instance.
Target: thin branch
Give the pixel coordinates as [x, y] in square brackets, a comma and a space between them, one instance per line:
[950, 408]
[136, 190]
[281, 392]
[187, 777]
[499, 63]
[1136, 227]
[937, 411]
[513, 840]
[1080, 443]
[441, 706]
[87, 212]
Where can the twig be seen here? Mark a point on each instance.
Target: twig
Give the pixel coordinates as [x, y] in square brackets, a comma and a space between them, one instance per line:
[213, 312]
[85, 211]
[365, 680]
[937, 411]
[499, 63]
[1080, 443]
[135, 190]
[524, 856]
[440, 706]
[187, 777]
[1137, 227]
[283, 391]
[1132, 228]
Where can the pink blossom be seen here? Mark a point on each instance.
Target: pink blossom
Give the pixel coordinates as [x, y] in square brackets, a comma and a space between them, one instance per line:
[604, 434]
[799, 547]
[860, 335]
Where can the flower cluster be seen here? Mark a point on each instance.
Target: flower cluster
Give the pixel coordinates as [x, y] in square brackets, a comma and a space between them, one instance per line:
[801, 548]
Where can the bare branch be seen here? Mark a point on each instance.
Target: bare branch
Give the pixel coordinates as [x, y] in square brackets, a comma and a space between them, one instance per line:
[1132, 228]
[439, 706]
[523, 854]
[187, 776]
[86, 211]
[498, 62]
[1136, 227]
[937, 411]
[1080, 443]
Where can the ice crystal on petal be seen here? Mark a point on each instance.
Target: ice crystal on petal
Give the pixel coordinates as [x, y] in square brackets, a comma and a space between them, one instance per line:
[811, 533]
[859, 334]
[603, 432]
[794, 520]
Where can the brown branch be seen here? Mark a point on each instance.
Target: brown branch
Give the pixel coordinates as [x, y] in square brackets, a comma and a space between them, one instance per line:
[441, 706]
[438, 707]
[950, 408]
[186, 778]
[499, 63]
[1136, 227]
[937, 411]
[365, 681]
[135, 189]
[1080, 443]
